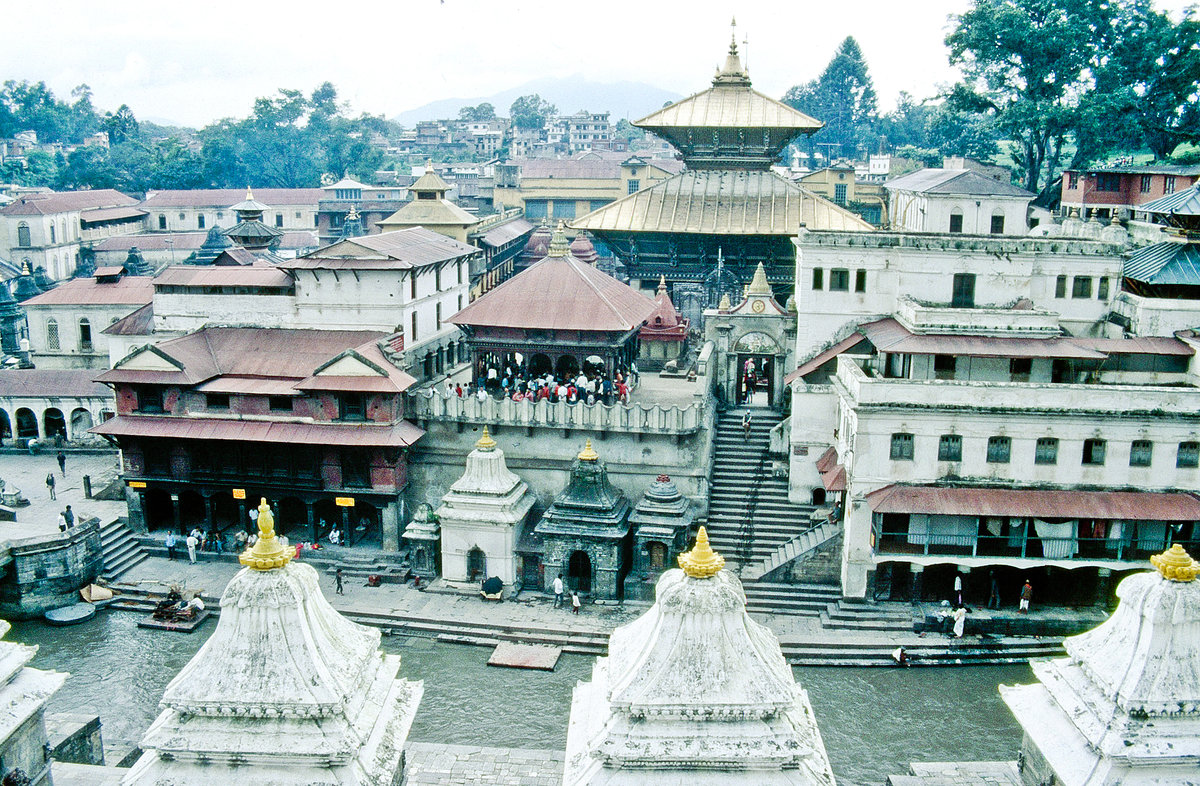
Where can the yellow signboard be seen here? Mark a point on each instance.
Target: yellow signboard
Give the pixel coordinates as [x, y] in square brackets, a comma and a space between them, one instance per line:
[344, 502]
[137, 484]
[239, 493]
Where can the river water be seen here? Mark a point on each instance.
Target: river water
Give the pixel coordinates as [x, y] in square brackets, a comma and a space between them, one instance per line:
[874, 721]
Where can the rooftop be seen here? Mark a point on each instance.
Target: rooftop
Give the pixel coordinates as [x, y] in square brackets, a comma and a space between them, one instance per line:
[955, 181]
[403, 249]
[123, 291]
[222, 198]
[66, 201]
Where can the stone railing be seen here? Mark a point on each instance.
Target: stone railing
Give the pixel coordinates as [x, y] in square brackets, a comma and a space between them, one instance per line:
[633, 417]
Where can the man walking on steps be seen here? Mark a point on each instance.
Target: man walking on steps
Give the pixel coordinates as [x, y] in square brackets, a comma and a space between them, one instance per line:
[746, 425]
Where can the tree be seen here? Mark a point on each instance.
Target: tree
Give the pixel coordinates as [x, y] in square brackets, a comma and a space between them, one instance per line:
[1027, 62]
[531, 112]
[120, 125]
[484, 111]
[843, 98]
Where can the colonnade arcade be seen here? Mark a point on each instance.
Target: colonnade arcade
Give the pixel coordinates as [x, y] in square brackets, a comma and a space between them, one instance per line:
[47, 420]
[563, 362]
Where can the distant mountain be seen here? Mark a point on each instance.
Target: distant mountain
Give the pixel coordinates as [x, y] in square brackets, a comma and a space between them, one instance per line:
[570, 94]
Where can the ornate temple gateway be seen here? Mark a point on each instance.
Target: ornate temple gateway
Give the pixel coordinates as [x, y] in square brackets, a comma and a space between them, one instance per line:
[694, 692]
[285, 692]
[707, 228]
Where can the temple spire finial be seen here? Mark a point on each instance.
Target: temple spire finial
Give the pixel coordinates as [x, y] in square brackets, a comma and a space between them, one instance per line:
[1176, 564]
[588, 454]
[486, 442]
[249, 194]
[662, 285]
[268, 552]
[759, 284]
[701, 562]
[558, 242]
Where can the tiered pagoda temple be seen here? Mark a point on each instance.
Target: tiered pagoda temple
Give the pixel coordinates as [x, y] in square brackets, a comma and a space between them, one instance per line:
[556, 315]
[727, 203]
[430, 208]
[250, 232]
[585, 531]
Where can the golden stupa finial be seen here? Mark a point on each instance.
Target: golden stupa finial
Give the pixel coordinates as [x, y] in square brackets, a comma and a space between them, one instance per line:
[486, 442]
[733, 35]
[353, 213]
[558, 242]
[662, 285]
[587, 454]
[1176, 564]
[26, 270]
[249, 194]
[724, 305]
[701, 562]
[759, 285]
[268, 552]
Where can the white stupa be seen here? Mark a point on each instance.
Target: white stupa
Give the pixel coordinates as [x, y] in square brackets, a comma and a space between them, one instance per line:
[23, 695]
[484, 509]
[1124, 706]
[694, 693]
[285, 692]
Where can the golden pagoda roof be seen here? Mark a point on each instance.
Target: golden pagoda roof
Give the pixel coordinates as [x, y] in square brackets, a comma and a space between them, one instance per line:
[428, 212]
[430, 181]
[723, 202]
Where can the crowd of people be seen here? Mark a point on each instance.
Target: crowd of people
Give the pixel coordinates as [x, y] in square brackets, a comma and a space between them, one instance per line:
[517, 382]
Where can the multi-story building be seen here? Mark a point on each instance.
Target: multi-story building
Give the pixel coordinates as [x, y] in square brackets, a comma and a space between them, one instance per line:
[978, 450]
[371, 203]
[587, 130]
[313, 419]
[566, 189]
[289, 209]
[66, 323]
[1103, 191]
[47, 229]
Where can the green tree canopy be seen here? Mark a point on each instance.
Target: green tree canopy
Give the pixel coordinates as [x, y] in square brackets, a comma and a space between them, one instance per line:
[531, 111]
[843, 98]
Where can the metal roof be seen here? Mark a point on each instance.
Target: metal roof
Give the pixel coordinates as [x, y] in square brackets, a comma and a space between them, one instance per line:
[402, 249]
[400, 434]
[729, 106]
[42, 204]
[722, 202]
[508, 231]
[111, 214]
[559, 293]
[1168, 262]
[255, 275]
[222, 198]
[1036, 503]
[154, 241]
[428, 211]
[139, 323]
[966, 182]
[1183, 203]
[888, 335]
[59, 383]
[124, 291]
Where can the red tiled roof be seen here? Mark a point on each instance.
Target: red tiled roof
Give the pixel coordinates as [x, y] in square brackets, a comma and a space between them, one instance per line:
[401, 434]
[223, 198]
[1036, 503]
[888, 335]
[828, 460]
[403, 249]
[257, 386]
[834, 479]
[559, 293]
[61, 383]
[125, 291]
[155, 241]
[99, 214]
[66, 201]
[824, 357]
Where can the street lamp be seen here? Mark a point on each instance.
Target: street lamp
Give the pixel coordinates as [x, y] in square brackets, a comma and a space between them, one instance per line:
[171, 245]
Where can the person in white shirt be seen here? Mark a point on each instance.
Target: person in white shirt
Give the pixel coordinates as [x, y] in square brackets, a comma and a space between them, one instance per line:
[558, 591]
[192, 542]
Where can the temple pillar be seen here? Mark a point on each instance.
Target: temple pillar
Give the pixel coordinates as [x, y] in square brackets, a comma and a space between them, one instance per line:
[208, 511]
[312, 523]
[1103, 587]
[346, 531]
[917, 572]
[175, 512]
[389, 527]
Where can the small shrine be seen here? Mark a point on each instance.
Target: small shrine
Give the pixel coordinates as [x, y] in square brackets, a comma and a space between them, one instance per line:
[1124, 705]
[754, 339]
[694, 691]
[423, 535]
[536, 247]
[661, 523]
[664, 336]
[250, 232]
[285, 691]
[215, 243]
[24, 692]
[585, 531]
[482, 517]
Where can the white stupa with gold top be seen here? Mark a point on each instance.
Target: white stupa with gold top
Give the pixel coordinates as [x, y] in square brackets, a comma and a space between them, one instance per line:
[286, 691]
[694, 693]
[1124, 706]
[485, 510]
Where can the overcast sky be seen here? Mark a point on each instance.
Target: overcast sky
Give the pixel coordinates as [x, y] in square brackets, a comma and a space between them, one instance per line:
[195, 63]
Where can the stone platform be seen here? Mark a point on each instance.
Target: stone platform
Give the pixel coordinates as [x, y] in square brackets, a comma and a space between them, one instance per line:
[971, 773]
[428, 764]
[525, 656]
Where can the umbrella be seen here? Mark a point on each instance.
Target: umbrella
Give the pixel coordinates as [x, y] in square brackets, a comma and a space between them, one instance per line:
[493, 585]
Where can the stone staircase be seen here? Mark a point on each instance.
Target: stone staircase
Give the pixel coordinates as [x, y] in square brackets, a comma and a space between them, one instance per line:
[751, 522]
[802, 600]
[120, 548]
[932, 650]
[855, 614]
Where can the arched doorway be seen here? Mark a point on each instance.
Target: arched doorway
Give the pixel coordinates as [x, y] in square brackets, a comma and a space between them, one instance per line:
[5, 426]
[657, 553]
[476, 564]
[540, 365]
[54, 425]
[292, 518]
[579, 571]
[81, 421]
[26, 424]
[755, 386]
[327, 515]
[567, 367]
[156, 507]
[818, 496]
[364, 518]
